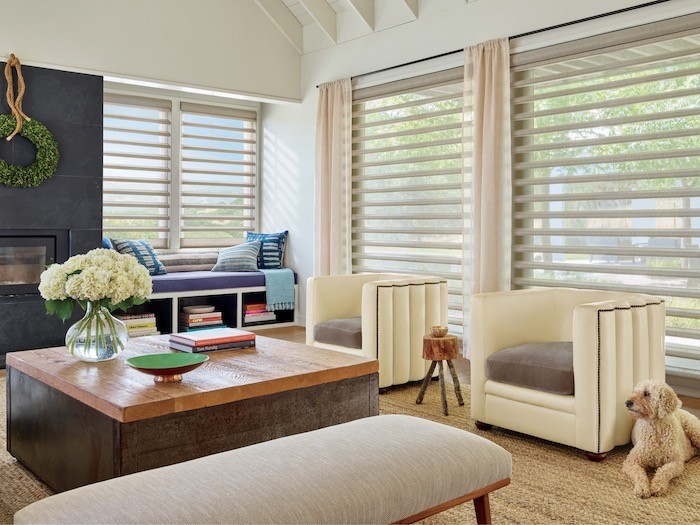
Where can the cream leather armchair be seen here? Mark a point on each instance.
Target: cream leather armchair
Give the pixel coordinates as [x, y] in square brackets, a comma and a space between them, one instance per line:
[618, 340]
[379, 316]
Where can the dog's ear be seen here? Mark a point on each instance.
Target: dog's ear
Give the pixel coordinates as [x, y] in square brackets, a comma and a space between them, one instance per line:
[668, 402]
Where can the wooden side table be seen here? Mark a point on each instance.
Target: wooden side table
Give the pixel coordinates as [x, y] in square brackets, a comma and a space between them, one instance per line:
[437, 350]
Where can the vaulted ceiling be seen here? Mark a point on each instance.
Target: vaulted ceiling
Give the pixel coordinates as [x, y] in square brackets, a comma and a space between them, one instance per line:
[313, 24]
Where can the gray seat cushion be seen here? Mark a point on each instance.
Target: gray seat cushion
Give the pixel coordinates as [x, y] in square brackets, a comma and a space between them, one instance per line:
[373, 470]
[345, 332]
[541, 366]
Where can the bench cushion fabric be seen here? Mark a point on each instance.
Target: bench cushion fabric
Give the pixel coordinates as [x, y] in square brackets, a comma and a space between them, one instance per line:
[541, 366]
[192, 281]
[345, 332]
[372, 470]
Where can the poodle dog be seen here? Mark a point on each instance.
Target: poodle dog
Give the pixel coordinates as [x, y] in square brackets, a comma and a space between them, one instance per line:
[663, 436]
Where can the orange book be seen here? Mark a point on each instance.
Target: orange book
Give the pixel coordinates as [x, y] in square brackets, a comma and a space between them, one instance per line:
[215, 336]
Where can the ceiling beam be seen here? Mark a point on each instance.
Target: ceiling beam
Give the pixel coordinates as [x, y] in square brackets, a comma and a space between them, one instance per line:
[413, 6]
[324, 16]
[364, 8]
[285, 21]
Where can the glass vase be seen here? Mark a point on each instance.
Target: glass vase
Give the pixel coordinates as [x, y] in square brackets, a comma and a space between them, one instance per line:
[98, 336]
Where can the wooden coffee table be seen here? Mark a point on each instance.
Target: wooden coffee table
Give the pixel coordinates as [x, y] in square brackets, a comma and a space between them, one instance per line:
[73, 423]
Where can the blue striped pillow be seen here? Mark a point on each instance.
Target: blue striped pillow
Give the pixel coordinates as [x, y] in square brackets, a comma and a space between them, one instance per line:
[272, 252]
[144, 253]
[241, 258]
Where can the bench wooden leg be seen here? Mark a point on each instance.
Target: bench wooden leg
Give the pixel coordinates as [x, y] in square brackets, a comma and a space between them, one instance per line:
[483, 510]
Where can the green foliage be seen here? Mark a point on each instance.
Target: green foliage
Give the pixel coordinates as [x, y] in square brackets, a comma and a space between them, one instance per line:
[64, 309]
[46, 155]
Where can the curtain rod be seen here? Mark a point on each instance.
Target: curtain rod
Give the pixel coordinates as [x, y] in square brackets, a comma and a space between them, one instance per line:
[550, 28]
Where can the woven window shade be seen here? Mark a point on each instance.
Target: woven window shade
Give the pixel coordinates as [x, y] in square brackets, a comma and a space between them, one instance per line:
[218, 175]
[606, 159]
[407, 180]
[137, 168]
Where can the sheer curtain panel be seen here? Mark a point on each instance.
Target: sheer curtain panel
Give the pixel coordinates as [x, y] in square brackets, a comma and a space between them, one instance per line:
[486, 160]
[333, 165]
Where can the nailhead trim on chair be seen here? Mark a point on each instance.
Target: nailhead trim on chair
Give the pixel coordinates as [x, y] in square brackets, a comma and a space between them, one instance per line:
[376, 345]
[599, 312]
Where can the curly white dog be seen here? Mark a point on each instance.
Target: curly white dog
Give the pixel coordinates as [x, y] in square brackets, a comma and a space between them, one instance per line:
[664, 438]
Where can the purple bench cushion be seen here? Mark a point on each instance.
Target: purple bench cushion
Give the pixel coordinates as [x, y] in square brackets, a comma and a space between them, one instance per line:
[205, 280]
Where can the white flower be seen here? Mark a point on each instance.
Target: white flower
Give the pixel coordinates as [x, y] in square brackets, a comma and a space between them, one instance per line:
[96, 275]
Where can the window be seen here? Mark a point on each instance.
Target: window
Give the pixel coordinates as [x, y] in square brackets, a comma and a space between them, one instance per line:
[137, 167]
[218, 175]
[606, 162]
[407, 180]
[180, 174]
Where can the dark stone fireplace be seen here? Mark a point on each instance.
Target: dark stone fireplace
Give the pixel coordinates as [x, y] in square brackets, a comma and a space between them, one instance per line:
[61, 217]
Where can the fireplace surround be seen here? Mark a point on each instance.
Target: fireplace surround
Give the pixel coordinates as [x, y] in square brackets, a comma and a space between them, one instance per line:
[57, 219]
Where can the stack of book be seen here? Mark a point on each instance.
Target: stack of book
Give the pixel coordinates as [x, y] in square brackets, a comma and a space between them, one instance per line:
[189, 322]
[258, 313]
[210, 340]
[139, 324]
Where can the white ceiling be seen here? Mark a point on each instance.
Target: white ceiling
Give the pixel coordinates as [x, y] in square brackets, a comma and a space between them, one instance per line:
[311, 25]
[305, 18]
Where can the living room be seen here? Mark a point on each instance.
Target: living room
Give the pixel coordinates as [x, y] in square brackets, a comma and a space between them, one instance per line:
[350, 261]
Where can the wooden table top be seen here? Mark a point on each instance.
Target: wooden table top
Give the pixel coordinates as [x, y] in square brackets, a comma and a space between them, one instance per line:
[127, 395]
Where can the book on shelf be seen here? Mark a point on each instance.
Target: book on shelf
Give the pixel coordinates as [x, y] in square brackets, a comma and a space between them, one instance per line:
[183, 328]
[255, 306]
[140, 333]
[202, 323]
[198, 318]
[140, 325]
[211, 348]
[125, 316]
[253, 318]
[214, 336]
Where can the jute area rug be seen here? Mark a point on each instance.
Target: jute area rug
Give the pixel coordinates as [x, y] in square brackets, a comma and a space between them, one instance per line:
[551, 483]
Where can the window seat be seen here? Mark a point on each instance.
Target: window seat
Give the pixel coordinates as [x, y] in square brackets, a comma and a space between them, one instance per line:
[207, 280]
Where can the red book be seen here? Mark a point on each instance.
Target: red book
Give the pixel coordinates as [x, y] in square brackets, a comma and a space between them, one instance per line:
[215, 336]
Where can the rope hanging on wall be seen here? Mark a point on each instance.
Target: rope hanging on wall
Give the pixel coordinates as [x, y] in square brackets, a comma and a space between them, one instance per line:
[15, 104]
[19, 123]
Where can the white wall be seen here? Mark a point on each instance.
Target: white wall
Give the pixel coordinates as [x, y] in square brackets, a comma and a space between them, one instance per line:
[288, 154]
[224, 45]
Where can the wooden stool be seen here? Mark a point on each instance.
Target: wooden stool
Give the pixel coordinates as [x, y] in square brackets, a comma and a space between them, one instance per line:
[437, 350]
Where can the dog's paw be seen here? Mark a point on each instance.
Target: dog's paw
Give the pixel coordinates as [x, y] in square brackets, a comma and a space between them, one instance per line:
[658, 489]
[642, 490]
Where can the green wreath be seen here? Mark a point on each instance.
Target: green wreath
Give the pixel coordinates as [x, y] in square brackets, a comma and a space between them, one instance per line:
[46, 154]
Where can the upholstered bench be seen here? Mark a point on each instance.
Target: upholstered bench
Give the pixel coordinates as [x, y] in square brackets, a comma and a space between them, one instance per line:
[382, 469]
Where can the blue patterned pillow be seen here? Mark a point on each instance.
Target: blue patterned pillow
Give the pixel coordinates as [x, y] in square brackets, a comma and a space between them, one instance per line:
[240, 258]
[272, 252]
[106, 243]
[143, 251]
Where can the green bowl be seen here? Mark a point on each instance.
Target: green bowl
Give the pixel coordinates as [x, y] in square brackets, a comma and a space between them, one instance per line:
[168, 367]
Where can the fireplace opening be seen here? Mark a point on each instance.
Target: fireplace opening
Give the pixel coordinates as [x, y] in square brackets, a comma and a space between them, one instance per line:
[23, 256]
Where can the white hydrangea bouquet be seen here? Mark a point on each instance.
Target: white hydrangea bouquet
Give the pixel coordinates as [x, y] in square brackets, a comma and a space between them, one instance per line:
[100, 282]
